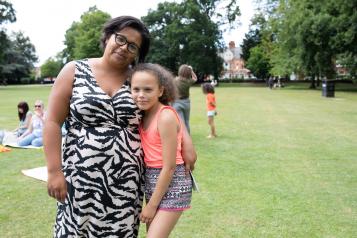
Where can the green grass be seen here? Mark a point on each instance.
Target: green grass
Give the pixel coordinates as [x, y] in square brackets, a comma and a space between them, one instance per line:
[284, 165]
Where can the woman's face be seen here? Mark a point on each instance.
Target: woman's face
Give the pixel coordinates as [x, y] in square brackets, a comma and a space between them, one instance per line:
[124, 46]
[20, 109]
[38, 107]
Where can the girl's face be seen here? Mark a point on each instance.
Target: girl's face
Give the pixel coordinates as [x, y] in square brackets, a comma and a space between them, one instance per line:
[145, 90]
[124, 46]
[21, 110]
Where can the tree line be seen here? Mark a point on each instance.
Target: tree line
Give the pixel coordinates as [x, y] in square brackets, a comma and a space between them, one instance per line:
[17, 53]
[308, 37]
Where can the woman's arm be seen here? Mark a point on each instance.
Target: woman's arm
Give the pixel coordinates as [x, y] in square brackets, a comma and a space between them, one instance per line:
[188, 151]
[168, 128]
[58, 108]
[28, 131]
[194, 76]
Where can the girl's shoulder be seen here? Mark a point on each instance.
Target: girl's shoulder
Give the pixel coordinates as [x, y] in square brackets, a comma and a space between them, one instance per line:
[167, 112]
[168, 115]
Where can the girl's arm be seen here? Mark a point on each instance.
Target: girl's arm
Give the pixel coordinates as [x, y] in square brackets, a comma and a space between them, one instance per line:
[168, 128]
[58, 108]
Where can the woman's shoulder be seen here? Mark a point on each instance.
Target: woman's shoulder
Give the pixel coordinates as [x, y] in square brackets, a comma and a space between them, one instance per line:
[66, 75]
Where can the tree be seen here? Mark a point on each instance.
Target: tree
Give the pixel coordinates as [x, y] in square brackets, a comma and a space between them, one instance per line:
[312, 33]
[20, 57]
[51, 68]
[258, 62]
[254, 36]
[82, 39]
[184, 33]
[7, 14]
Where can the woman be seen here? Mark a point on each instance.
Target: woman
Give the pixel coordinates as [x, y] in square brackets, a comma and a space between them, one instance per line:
[25, 118]
[99, 180]
[186, 77]
[33, 135]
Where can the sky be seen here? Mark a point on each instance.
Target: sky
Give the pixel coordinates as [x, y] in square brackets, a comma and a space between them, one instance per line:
[45, 21]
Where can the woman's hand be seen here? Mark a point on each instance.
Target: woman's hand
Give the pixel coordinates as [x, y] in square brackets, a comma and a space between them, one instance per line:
[57, 185]
[148, 213]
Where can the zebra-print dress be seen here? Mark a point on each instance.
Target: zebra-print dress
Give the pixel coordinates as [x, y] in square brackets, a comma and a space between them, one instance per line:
[102, 162]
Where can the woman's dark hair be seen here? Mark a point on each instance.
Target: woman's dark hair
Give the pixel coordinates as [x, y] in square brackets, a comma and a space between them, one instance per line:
[207, 88]
[25, 108]
[119, 23]
[165, 79]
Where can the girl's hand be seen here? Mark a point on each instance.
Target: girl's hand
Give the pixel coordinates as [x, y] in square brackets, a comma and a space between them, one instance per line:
[148, 213]
[57, 185]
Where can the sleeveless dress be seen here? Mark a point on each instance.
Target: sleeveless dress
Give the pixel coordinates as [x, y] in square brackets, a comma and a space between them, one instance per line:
[102, 162]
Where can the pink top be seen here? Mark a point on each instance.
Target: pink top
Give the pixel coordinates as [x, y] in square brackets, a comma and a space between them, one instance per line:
[151, 142]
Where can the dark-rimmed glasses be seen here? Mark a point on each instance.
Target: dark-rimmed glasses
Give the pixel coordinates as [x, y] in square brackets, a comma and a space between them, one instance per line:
[38, 106]
[122, 40]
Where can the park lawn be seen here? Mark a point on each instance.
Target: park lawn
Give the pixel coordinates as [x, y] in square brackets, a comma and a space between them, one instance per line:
[284, 165]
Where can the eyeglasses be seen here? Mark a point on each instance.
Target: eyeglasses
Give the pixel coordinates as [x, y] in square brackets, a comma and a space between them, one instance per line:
[38, 106]
[122, 40]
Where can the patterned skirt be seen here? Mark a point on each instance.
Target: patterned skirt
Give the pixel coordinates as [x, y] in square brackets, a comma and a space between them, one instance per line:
[179, 193]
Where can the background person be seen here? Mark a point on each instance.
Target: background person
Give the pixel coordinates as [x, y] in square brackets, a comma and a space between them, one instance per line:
[186, 77]
[208, 90]
[33, 135]
[25, 116]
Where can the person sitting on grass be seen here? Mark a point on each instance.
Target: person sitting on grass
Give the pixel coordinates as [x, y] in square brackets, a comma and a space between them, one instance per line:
[33, 135]
[25, 116]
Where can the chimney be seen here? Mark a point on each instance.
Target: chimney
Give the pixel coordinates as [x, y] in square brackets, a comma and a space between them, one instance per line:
[232, 45]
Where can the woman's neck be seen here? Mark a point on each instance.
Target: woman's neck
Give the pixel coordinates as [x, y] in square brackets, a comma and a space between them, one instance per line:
[113, 68]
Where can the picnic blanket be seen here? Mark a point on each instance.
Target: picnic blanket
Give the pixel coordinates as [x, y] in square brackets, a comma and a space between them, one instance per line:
[10, 140]
[39, 173]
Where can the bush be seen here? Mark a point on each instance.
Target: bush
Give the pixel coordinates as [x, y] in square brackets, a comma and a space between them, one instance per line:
[25, 80]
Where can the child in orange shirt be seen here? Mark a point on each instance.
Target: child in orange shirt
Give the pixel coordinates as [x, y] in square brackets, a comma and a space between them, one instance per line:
[208, 89]
[168, 189]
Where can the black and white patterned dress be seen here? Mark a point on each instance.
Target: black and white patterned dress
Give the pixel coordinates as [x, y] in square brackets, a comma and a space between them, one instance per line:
[102, 162]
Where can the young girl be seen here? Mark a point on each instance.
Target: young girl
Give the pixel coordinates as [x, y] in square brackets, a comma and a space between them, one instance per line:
[25, 118]
[208, 89]
[168, 189]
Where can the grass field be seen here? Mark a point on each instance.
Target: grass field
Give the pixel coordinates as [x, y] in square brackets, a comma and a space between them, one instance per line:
[284, 165]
